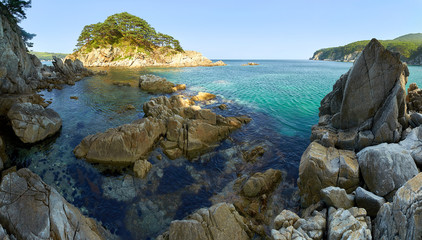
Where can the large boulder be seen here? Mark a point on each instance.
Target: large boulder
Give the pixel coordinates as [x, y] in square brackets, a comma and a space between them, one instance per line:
[371, 202]
[219, 222]
[386, 167]
[337, 197]
[321, 167]
[32, 122]
[367, 105]
[402, 218]
[156, 84]
[30, 209]
[122, 145]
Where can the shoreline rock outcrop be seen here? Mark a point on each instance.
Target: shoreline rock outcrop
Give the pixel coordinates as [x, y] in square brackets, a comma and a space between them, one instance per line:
[180, 128]
[367, 105]
[32, 122]
[117, 57]
[30, 209]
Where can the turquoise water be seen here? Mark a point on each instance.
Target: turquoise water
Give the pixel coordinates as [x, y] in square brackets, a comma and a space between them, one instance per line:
[282, 97]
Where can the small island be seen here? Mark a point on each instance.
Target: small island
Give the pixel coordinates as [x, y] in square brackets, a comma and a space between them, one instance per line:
[250, 64]
[125, 40]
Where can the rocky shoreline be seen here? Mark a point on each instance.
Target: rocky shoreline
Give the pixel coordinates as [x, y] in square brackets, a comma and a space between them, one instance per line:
[116, 57]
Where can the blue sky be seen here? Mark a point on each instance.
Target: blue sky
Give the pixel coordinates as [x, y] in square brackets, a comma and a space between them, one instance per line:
[224, 29]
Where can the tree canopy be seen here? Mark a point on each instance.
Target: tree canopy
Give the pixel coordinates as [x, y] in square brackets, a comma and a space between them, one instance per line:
[124, 28]
[14, 10]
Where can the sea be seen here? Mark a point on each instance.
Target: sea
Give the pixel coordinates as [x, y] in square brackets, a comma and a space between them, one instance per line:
[281, 96]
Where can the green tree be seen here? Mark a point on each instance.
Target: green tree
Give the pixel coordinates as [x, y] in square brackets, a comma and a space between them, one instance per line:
[124, 28]
[16, 8]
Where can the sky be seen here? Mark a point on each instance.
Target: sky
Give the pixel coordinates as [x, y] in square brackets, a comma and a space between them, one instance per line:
[232, 29]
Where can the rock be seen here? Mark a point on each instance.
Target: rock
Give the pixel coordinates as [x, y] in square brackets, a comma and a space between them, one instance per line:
[415, 119]
[121, 84]
[191, 130]
[3, 156]
[386, 167]
[101, 73]
[32, 123]
[285, 219]
[20, 72]
[30, 209]
[160, 57]
[261, 183]
[219, 222]
[369, 201]
[156, 84]
[252, 155]
[381, 78]
[289, 226]
[203, 96]
[414, 98]
[321, 167]
[74, 97]
[141, 168]
[250, 64]
[337, 197]
[222, 106]
[348, 224]
[401, 219]
[130, 107]
[121, 145]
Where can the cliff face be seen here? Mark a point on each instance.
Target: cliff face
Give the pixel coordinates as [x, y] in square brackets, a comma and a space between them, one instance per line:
[119, 57]
[336, 56]
[20, 72]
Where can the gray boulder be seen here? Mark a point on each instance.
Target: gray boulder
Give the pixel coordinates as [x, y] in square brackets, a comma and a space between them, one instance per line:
[371, 202]
[30, 209]
[386, 167]
[32, 122]
[337, 197]
[402, 219]
[369, 97]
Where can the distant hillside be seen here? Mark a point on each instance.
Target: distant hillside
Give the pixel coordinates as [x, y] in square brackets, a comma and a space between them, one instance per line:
[47, 56]
[409, 46]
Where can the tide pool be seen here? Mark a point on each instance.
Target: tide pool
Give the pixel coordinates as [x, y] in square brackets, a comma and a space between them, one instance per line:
[281, 96]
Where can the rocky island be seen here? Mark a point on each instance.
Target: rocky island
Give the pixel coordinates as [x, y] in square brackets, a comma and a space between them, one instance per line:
[131, 42]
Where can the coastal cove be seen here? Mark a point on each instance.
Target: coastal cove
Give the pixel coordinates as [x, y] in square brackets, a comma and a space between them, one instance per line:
[281, 96]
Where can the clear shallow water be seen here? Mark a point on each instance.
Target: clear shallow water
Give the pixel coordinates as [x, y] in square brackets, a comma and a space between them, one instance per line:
[281, 96]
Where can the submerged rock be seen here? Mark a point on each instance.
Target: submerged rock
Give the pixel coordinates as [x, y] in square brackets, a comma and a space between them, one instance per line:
[402, 218]
[32, 122]
[219, 222]
[156, 84]
[141, 168]
[322, 167]
[367, 105]
[30, 209]
[261, 183]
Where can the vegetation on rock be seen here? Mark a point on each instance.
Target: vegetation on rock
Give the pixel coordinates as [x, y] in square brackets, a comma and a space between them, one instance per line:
[47, 56]
[409, 46]
[124, 30]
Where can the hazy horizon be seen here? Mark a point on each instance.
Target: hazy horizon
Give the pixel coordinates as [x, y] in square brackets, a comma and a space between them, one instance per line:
[237, 30]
